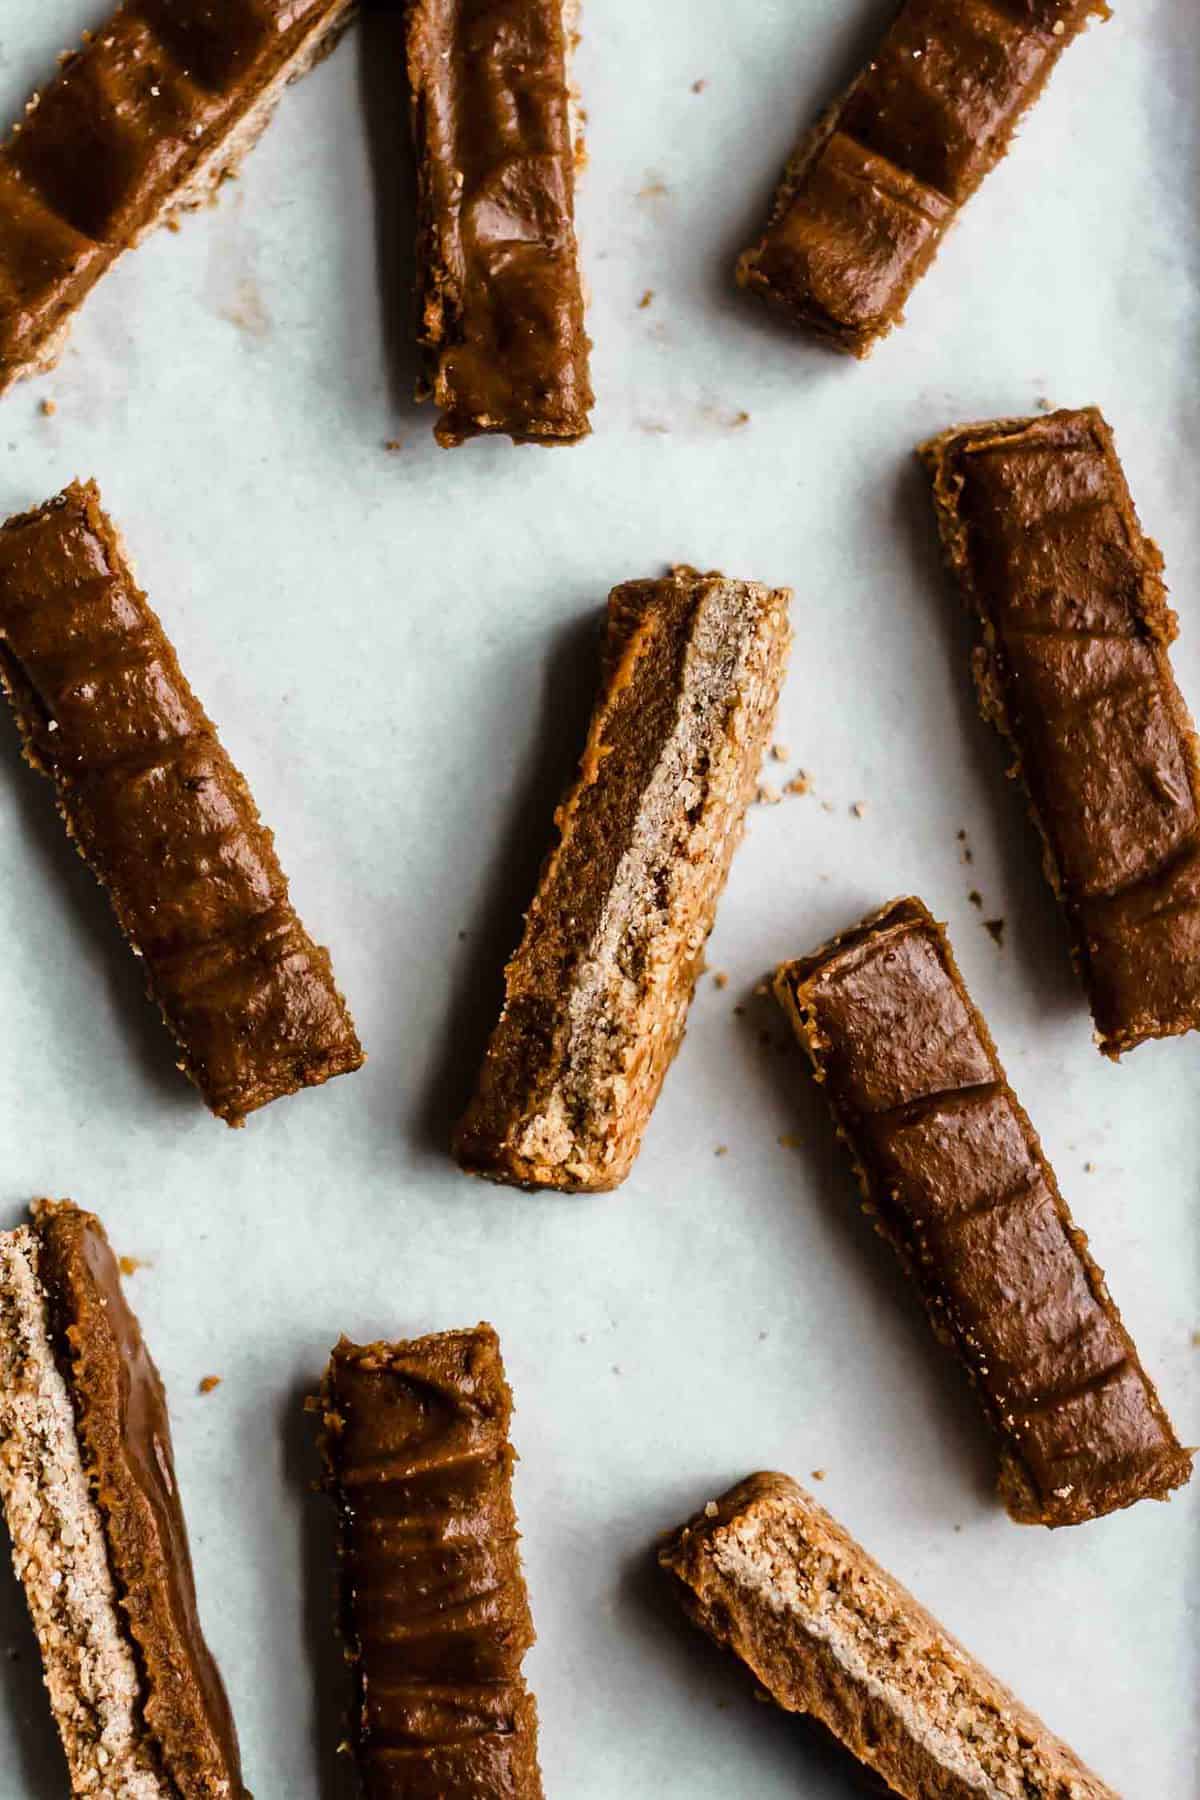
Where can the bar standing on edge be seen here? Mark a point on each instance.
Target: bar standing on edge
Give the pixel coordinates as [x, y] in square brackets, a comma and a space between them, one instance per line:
[872, 190]
[1040, 532]
[500, 297]
[88, 1485]
[435, 1613]
[161, 816]
[953, 1170]
[157, 108]
[598, 992]
[769, 1575]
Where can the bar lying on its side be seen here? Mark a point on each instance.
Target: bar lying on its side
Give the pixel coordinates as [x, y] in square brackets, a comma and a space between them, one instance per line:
[952, 1168]
[1039, 530]
[160, 104]
[870, 193]
[436, 1617]
[161, 815]
[769, 1575]
[598, 991]
[500, 296]
[89, 1493]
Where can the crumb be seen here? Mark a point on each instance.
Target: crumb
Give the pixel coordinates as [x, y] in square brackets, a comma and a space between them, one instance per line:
[995, 927]
[616, 1368]
[711, 1509]
[968, 855]
[790, 1141]
[48, 408]
[129, 1265]
[799, 784]
[958, 1528]
[976, 898]
[780, 752]
[393, 443]
[646, 299]
[654, 189]
[208, 1384]
[1042, 404]
[172, 223]
[827, 806]
[768, 794]
[739, 1011]
[1196, 1340]
[763, 1698]
[582, 1336]
[859, 808]
[761, 989]
[721, 1150]
[817, 1474]
[764, 1335]
[740, 418]
[720, 979]
[653, 428]
[698, 87]
[1089, 1168]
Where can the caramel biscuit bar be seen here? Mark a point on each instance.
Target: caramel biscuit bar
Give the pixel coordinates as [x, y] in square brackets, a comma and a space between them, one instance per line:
[88, 1487]
[161, 816]
[824, 1630]
[1040, 532]
[435, 1612]
[952, 1169]
[500, 299]
[157, 108]
[870, 193]
[599, 989]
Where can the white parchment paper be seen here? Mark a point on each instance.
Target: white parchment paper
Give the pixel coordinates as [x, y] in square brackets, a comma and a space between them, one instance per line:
[398, 648]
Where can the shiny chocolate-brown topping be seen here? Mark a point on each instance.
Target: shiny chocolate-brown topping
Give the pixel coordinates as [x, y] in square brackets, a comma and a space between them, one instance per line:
[953, 1168]
[125, 1441]
[1039, 529]
[597, 993]
[501, 303]
[435, 1610]
[159, 104]
[161, 815]
[871, 192]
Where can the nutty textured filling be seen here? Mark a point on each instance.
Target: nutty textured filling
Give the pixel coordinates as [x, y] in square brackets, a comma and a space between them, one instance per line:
[955, 1171]
[871, 192]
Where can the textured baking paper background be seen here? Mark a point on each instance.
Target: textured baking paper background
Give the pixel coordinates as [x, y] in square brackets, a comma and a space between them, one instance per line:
[398, 648]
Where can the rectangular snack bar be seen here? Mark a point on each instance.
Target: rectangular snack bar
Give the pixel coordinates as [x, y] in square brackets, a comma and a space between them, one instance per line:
[1039, 529]
[91, 1502]
[872, 190]
[952, 1168]
[500, 298]
[769, 1575]
[161, 815]
[159, 105]
[435, 1611]
[598, 991]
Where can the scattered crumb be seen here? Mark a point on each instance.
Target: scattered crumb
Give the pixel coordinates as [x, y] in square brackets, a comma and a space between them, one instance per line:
[976, 898]
[582, 1336]
[1089, 1168]
[48, 408]
[653, 427]
[721, 1150]
[616, 1368]
[768, 794]
[780, 752]
[698, 87]
[711, 1509]
[968, 855]
[859, 808]
[247, 311]
[827, 806]
[1196, 1340]
[655, 188]
[1042, 404]
[209, 1383]
[958, 1528]
[761, 989]
[646, 300]
[790, 1141]
[173, 223]
[995, 928]
[720, 979]
[739, 1011]
[740, 418]
[393, 443]
[129, 1265]
[817, 1474]
[462, 937]
[799, 784]
[764, 1335]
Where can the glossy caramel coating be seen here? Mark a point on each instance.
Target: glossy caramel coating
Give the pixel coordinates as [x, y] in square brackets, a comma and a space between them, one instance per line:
[159, 102]
[872, 191]
[124, 1436]
[500, 301]
[161, 815]
[954, 1171]
[1040, 532]
[435, 1610]
[824, 1630]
